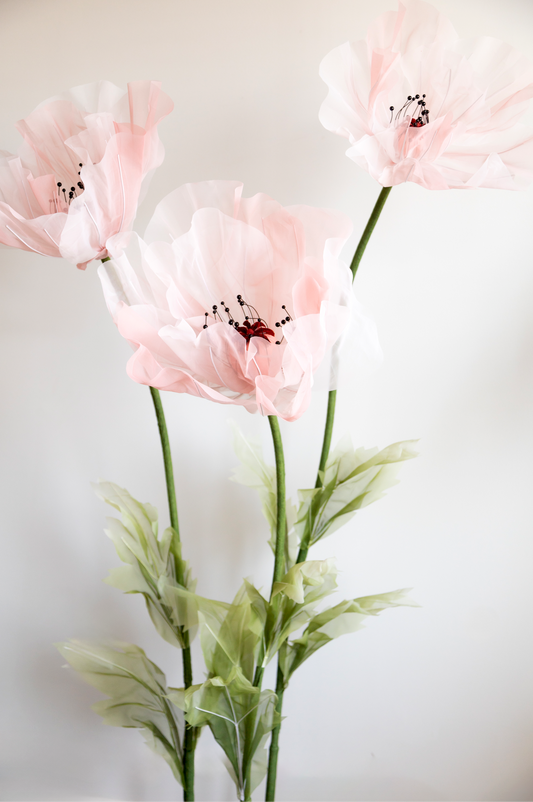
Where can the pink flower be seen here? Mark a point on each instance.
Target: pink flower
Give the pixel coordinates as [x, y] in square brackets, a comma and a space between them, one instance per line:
[232, 299]
[418, 104]
[77, 178]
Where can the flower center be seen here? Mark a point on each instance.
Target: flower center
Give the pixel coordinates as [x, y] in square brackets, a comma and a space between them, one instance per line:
[64, 196]
[407, 111]
[252, 326]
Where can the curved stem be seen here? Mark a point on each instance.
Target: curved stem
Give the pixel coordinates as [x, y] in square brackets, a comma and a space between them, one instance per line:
[326, 444]
[189, 739]
[167, 460]
[367, 233]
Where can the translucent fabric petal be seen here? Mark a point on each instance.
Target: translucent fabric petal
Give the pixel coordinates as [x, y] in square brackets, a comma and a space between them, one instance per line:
[418, 104]
[237, 300]
[80, 174]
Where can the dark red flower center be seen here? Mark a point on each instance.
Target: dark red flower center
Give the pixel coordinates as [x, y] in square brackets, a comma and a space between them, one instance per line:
[252, 326]
[256, 329]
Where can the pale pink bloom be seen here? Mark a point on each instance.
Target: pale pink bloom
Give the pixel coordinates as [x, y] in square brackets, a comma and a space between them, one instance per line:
[233, 299]
[465, 136]
[77, 178]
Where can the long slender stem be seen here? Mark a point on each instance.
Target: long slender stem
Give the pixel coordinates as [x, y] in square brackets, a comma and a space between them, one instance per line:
[167, 460]
[189, 739]
[270, 794]
[328, 431]
[281, 514]
[279, 570]
[367, 233]
[326, 445]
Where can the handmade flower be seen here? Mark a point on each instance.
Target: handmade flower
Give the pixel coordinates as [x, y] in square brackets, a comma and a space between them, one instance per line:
[232, 299]
[418, 104]
[77, 178]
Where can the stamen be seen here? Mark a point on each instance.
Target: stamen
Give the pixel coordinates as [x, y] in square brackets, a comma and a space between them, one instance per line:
[414, 122]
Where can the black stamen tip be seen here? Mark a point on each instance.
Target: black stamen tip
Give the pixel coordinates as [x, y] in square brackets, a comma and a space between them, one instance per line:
[283, 322]
[278, 342]
[391, 108]
[278, 324]
[59, 184]
[205, 325]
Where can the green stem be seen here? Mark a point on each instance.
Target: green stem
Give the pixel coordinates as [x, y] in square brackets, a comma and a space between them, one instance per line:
[281, 516]
[367, 233]
[279, 570]
[167, 460]
[189, 739]
[274, 743]
[326, 444]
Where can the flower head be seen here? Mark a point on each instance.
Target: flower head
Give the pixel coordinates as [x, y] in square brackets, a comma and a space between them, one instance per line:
[77, 179]
[232, 299]
[418, 104]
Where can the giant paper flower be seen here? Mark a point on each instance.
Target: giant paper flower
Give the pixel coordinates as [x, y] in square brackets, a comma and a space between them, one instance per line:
[77, 178]
[232, 299]
[418, 104]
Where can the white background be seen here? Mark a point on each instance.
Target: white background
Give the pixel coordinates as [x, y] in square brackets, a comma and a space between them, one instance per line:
[424, 704]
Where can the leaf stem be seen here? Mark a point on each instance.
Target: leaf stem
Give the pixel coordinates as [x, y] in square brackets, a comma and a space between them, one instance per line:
[326, 445]
[189, 739]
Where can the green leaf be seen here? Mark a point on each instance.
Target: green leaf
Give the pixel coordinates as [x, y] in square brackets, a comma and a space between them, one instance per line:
[151, 563]
[255, 473]
[352, 480]
[307, 582]
[240, 718]
[348, 616]
[302, 587]
[230, 634]
[137, 691]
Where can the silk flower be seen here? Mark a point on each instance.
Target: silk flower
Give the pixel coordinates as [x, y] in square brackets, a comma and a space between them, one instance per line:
[234, 299]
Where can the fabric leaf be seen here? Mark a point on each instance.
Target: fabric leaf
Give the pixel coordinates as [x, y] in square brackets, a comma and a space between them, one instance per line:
[352, 479]
[151, 563]
[255, 473]
[137, 691]
[240, 718]
[348, 616]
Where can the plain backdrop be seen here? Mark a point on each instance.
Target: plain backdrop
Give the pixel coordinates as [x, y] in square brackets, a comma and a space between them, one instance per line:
[433, 703]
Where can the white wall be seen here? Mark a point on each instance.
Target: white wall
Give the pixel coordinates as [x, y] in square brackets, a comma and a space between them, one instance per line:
[428, 704]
